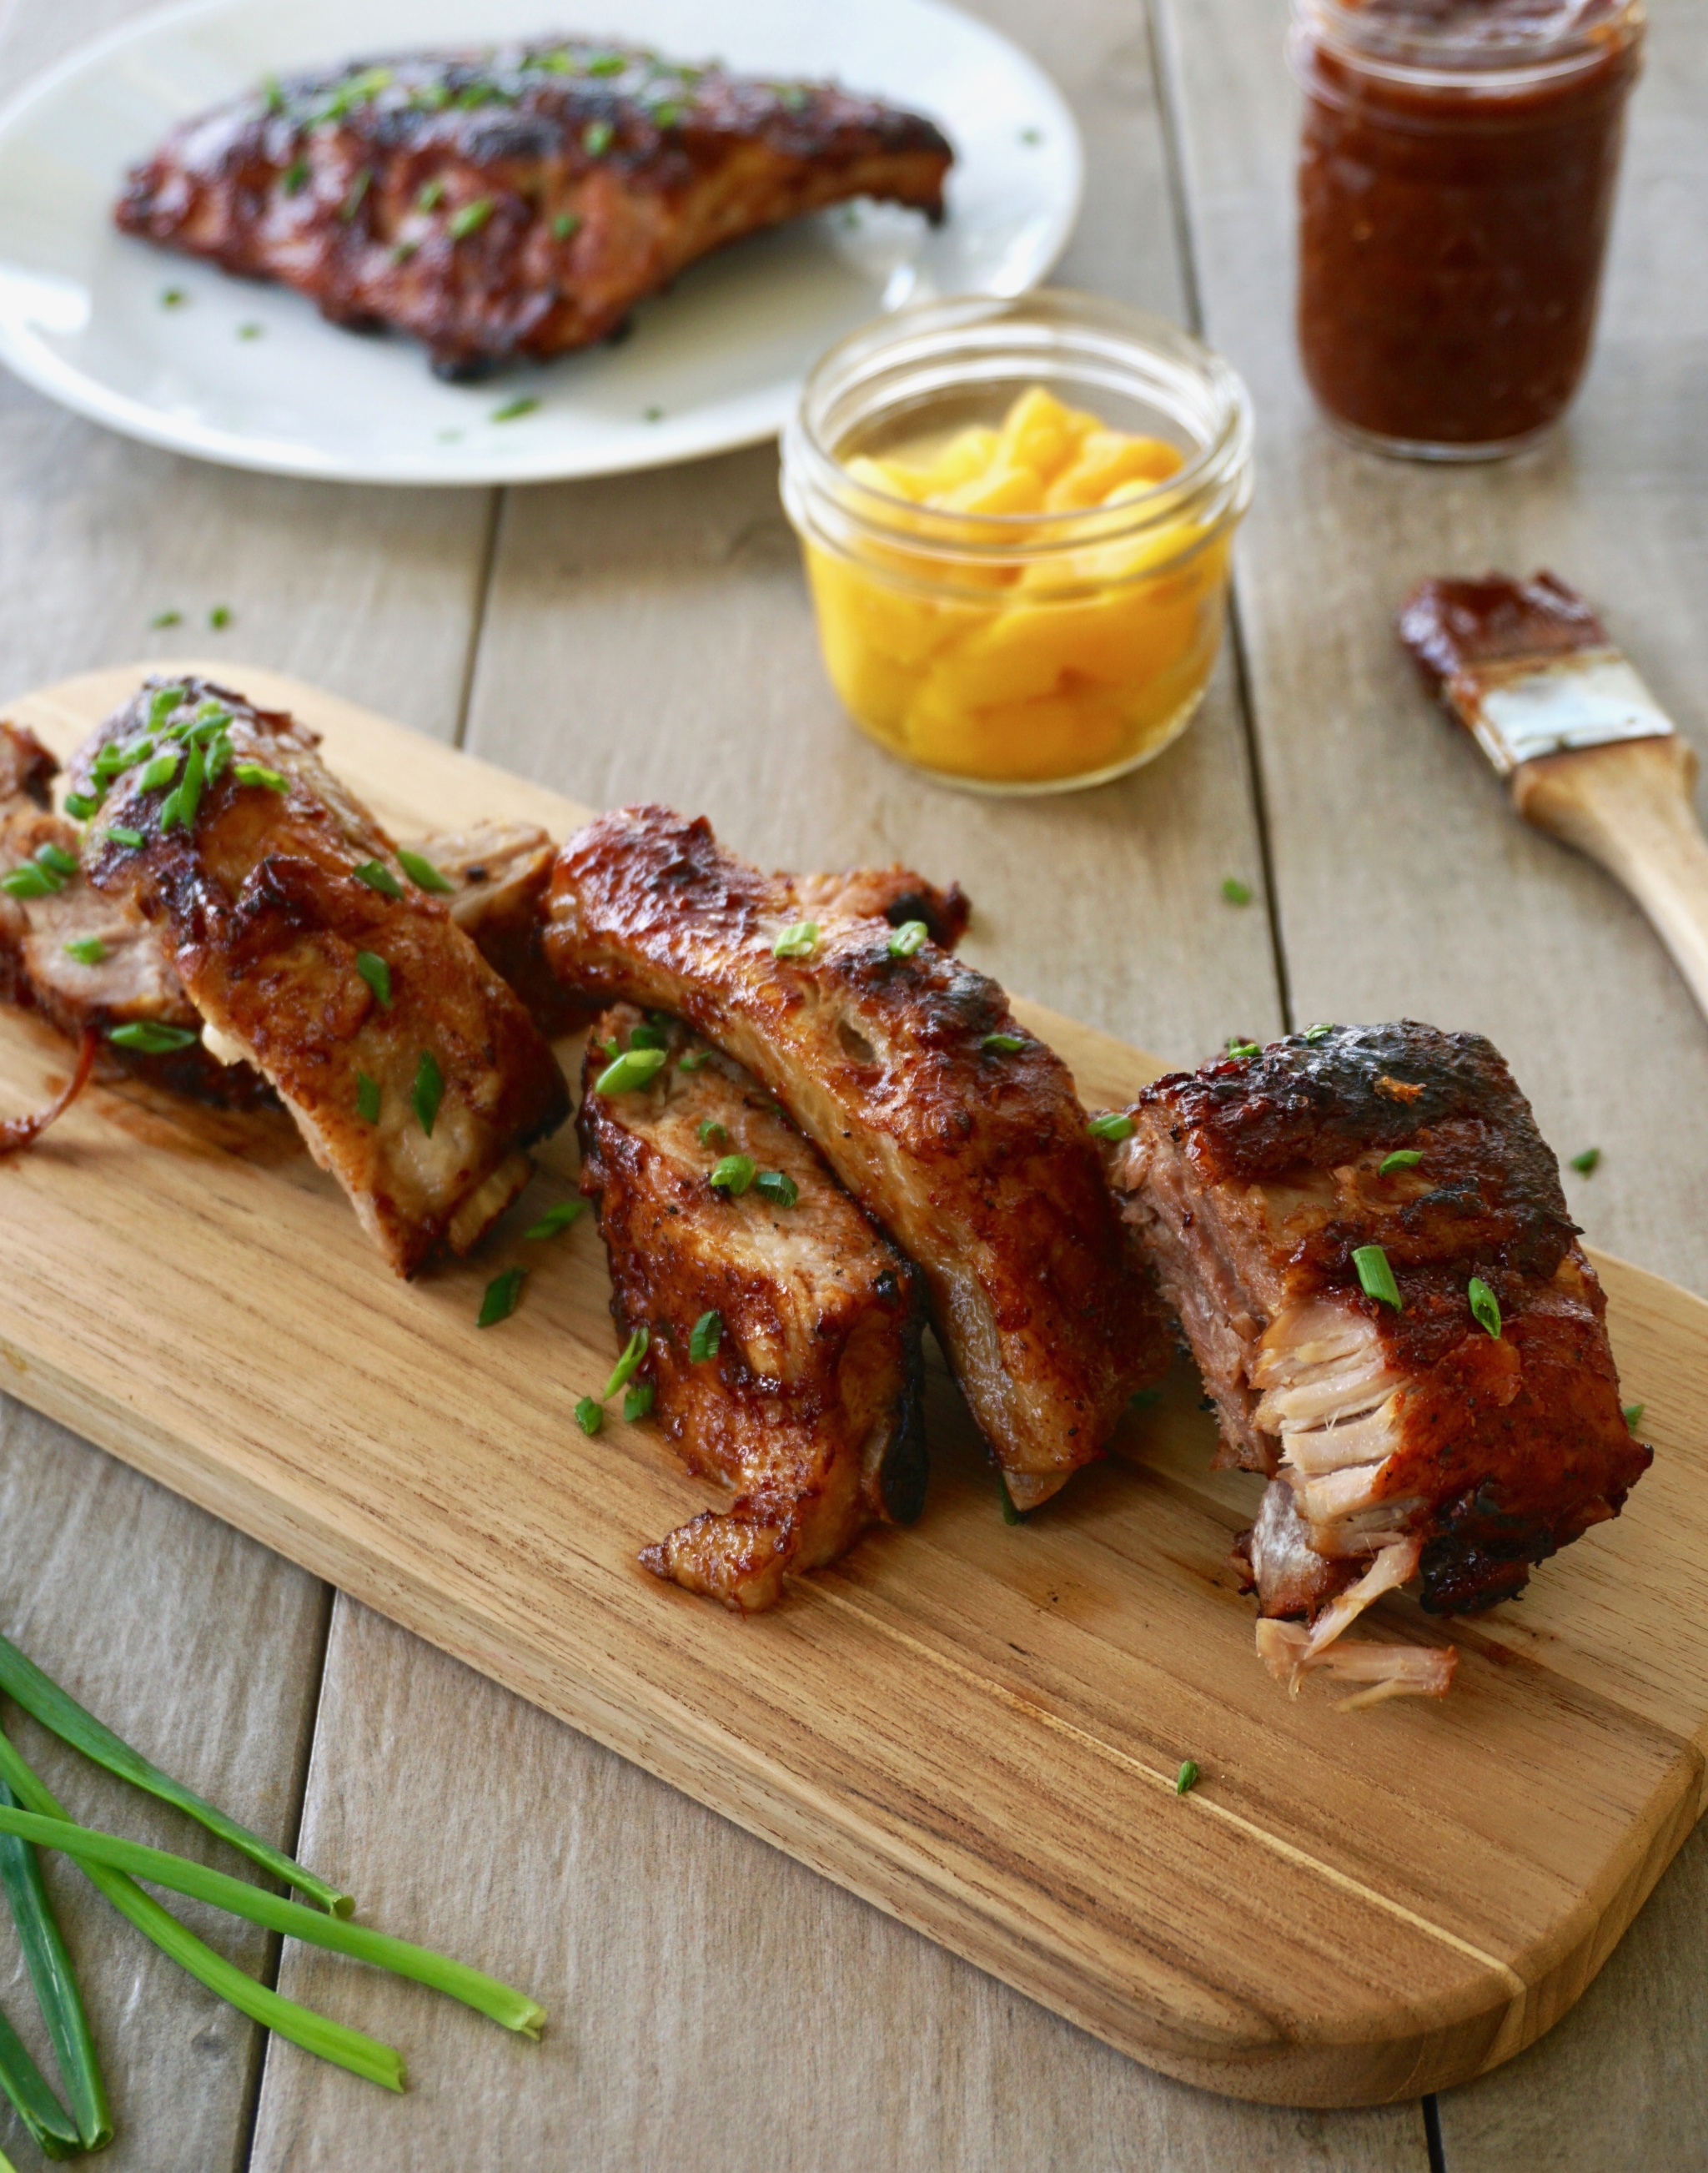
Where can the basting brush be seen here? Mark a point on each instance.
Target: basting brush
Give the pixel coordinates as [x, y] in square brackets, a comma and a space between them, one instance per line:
[1587, 752]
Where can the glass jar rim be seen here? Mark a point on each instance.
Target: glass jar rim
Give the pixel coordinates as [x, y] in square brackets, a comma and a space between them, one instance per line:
[1217, 468]
[1573, 36]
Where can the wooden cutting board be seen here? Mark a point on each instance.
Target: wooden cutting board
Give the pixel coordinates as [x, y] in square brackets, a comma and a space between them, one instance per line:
[975, 1726]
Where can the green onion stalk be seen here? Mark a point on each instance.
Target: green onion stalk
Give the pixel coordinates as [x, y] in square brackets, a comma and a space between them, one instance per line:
[57, 1992]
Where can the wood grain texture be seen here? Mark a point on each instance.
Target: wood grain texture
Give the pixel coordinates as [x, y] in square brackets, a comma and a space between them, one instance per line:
[976, 1728]
[712, 2004]
[203, 1650]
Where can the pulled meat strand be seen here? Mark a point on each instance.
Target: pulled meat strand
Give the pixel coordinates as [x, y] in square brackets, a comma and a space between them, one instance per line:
[17, 1133]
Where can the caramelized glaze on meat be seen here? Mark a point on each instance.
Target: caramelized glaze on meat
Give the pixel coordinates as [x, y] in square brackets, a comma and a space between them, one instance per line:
[517, 200]
[1412, 1438]
[972, 1154]
[323, 981]
[809, 1408]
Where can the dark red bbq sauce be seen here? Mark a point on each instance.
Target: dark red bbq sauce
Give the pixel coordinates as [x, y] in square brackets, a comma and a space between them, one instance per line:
[1456, 184]
[1452, 626]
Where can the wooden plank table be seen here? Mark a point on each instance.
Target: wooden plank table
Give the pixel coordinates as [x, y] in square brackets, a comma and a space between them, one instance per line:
[650, 636]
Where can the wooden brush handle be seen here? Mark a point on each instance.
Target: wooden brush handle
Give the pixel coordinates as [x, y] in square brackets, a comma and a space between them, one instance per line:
[1630, 806]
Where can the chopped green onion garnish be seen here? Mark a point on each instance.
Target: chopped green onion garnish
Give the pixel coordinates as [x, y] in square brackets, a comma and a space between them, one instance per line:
[161, 770]
[1011, 1515]
[652, 415]
[607, 64]
[1317, 1032]
[712, 1133]
[1485, 1305]
[428, 1090]
[272, 93]
[566, 223]
[422, 873]
[556, 1219]
[623, 1372]
[1377, 1276]
[634, 1069]
[121, 836]
[1235, 892]
[799, 941]
[1240, 1050]
[430, 195]
[1007, 1042]
[777, 1186]
[377, 974]
[1585, 1162]
[1401, 1158]
[56, 857]
[646, 1035]
[220, 618]
[1634, 1415]
[1112, 1124]
[165, 700]
[152, 1038]
[470, 217]
[596, 136]
[80, 807]
[512, 410]
[180, 805]
[905, 939]
[257, 773]
[588, 1416]
[165, 618]
[733, 1175]
[503, 1293]
[294, 176]
[379, 877]
[174, 297]
[31, 881]
[707, 1332]
[639, 1401]
[87, 950]
[1187, 1779]
[367, 1098]
[696, 1060]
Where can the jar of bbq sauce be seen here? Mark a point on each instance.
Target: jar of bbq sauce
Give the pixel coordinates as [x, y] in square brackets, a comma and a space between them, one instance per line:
[1456, 184]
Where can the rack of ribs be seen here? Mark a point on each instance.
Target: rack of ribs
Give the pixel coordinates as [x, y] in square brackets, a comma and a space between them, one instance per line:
[713, 1209]
[956, 1130]
[308, 951]
[517, 200]
[1363, 1234]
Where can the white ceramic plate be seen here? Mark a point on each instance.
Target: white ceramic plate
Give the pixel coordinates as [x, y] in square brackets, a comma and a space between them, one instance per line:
[716, 363]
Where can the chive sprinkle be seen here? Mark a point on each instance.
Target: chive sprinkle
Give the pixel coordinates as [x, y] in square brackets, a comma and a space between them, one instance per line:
[422, 872]
[80, 807]
[1112, 1124]
[294, 177]
[1240, 1050]
[257, 773]
[624, 1371]
[1235, 892]
[1584, 1164]
[377, 974]
[703, 1339]
[566, 223]
[555, 1219]
[634, 1069]
[799, 942]
[1377, 1276]
[646, 1035]
[161, 770]
[1485, 1305]
[502, 1294]
[733, 1175]
[639, 1401]
[1633, 1414]
[596, 136]
[56, 857]
[358, 190]
[121, 836]
[428, 1091]
[1011, 1515]
[31, 882]
[430, 195]
[165, 700]
[1187, 1779]
[513, 410]
[712, 1133]
[777, 1186]
[1401, 1158]
[87, 950]
[1007, 1042]
[220, 618]
[367, 1098]
[588, 1416]
[174, 297]
[696, 1059]
[152, 1038]
[379, 877]
[1317, 1032]
[908, 938]
[470, 217]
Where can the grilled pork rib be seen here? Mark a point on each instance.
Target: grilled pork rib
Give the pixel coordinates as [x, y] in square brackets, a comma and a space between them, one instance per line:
[1399, 1440]
[517, 200]
[342, 988]
[809, 1408]
[497, 874]
[957, 1131]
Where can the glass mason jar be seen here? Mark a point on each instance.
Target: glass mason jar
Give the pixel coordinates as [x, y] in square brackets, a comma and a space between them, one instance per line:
[1455, 185]
[1033, 649]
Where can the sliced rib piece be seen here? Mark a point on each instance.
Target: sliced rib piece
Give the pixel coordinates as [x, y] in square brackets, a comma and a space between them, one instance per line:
[1414, 1435]
[958, 1131]
[514, 200]
[342, 991]
[497, 874]
[27, 769]
[809, 1408]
